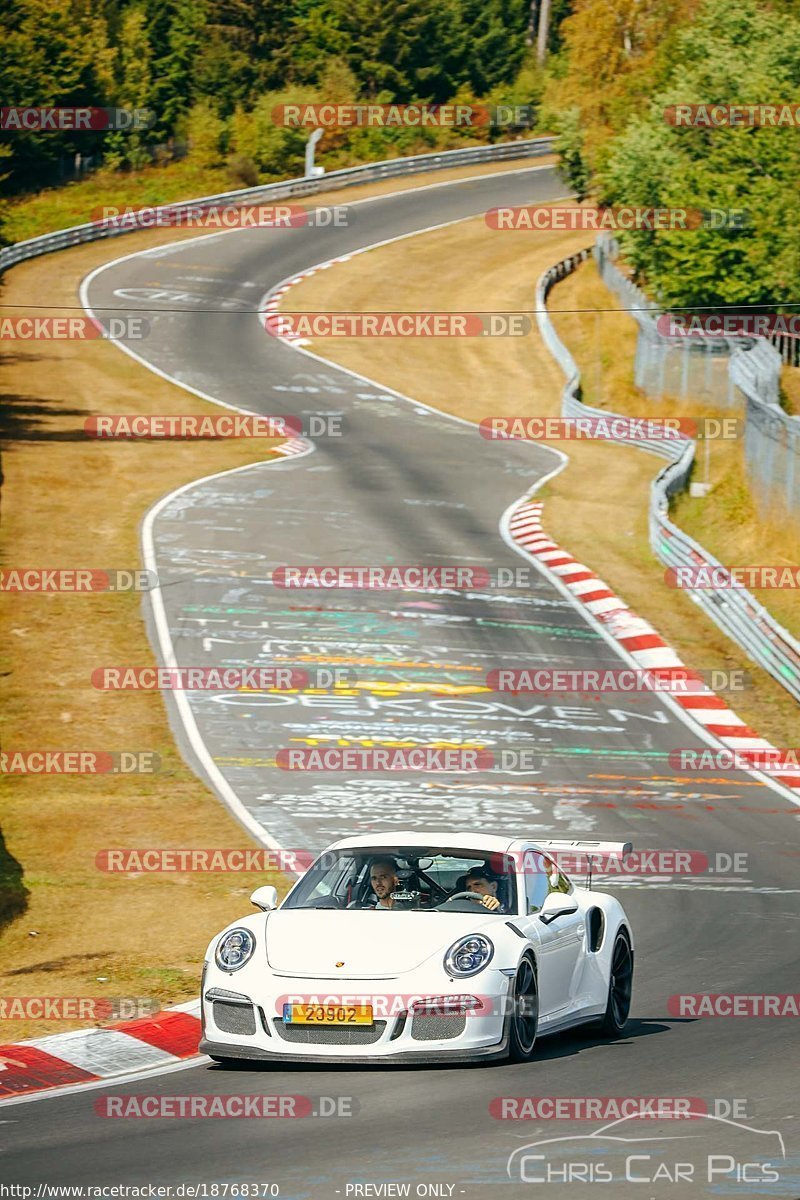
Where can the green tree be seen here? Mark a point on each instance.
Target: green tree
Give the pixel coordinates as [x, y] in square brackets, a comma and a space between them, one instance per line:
[411, 50]
[615, 54]
[247, 50]
[52, 54]
[257, 138]
[205, 133]
[175, 58]
[134, 89]
[749, 55]
[494, 42]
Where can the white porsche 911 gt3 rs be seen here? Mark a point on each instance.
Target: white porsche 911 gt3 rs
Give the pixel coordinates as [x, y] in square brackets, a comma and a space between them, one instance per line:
[420, 947]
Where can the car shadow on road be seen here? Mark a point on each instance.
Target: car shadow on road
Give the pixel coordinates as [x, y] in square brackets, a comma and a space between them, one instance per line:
[575, 1041]
[559, 1045]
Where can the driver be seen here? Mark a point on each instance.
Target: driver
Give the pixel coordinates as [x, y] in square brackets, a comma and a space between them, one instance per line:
[481, 881]
[383, 880]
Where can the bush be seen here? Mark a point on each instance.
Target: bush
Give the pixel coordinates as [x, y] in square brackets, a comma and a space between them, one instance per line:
[205, 132]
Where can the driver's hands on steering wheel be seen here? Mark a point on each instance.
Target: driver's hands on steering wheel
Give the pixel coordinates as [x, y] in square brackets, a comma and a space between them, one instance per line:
[490, 903]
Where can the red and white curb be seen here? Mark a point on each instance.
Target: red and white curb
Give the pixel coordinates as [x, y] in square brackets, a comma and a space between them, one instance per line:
[295, 445]
[270, 313]
[637, 637]
[85, 1056]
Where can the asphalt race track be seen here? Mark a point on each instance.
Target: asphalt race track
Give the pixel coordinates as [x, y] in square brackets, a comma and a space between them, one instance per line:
[404, 485]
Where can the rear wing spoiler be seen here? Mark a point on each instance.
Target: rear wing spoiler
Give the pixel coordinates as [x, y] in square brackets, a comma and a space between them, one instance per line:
[588, 856]
[610, 849]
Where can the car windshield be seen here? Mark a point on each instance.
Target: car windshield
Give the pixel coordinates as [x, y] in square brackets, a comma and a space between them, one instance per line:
[407, 878]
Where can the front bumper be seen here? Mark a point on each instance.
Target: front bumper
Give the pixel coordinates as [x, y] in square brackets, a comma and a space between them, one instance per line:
[247, 1026]
[256, 1054]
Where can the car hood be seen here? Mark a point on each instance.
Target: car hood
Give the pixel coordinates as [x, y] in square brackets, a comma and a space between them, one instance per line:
[310, 942]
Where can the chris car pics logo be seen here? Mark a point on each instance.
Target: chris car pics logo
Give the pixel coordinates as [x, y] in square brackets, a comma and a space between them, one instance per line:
[718, 1152]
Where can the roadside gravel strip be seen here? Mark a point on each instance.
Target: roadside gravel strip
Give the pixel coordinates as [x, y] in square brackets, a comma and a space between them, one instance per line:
[405, 485]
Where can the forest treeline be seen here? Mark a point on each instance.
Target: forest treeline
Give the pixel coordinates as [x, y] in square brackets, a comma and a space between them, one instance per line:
[211, 74]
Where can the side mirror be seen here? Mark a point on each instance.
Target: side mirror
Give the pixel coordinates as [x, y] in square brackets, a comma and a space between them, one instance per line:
[265, 897]
[557, 905]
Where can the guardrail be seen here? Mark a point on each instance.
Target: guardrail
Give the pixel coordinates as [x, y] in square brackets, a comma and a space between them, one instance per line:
[734, 610]
[771, 436]
[696, 367]
[285, 189]
[735, 373]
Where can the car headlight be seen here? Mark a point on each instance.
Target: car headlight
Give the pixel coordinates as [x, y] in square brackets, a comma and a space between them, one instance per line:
[234, 949]
[468, 955]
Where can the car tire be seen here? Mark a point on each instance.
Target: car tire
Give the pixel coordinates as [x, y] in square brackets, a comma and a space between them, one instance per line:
[524, 1018]
[620, 987]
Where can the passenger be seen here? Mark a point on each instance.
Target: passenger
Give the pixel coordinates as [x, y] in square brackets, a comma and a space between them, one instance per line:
[384, 880]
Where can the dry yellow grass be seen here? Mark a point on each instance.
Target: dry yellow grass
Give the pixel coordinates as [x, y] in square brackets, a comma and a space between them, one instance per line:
[71, 502]
[597, 507]
[790, 385]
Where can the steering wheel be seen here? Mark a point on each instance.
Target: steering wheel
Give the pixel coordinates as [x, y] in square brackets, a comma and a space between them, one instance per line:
[464, 896]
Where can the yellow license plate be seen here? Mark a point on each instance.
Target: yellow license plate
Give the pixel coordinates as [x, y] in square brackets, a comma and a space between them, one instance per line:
[327, 1014]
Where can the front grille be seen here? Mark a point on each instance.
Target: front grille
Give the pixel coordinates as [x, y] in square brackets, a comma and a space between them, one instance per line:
[432, 1028]
[234, 1018]
[331, 1035]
